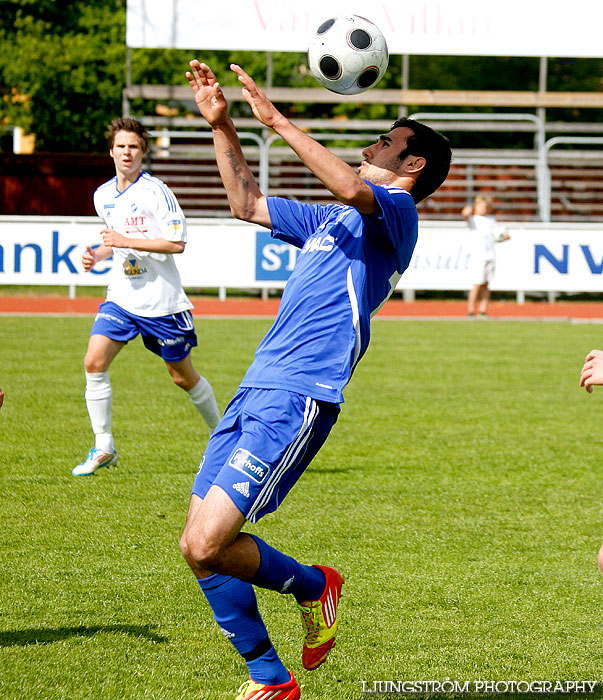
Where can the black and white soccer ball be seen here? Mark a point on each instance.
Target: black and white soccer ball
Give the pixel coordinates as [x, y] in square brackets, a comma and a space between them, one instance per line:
[348, 55]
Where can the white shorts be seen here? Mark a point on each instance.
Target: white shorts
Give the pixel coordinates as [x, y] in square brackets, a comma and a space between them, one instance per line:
[483, 272]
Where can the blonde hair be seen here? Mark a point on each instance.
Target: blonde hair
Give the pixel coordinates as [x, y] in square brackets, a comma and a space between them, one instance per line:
[486, 199]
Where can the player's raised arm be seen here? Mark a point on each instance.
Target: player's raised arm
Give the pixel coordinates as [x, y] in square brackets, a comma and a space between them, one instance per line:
[345, 184]
[244, 196]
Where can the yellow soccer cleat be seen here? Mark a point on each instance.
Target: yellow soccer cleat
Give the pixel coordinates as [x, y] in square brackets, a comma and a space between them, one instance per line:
[250, 690]
[319, 619]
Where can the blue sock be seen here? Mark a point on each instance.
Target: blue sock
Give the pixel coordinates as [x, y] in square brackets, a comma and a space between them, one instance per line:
[264, 669]
[235, 609]
[279, 572]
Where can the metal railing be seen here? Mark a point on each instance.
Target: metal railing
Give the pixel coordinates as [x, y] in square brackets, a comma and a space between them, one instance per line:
[545, 171]
[182, 143]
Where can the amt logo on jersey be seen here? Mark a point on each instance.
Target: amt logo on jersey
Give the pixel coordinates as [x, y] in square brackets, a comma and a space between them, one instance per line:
[136, 221]
[247, 463]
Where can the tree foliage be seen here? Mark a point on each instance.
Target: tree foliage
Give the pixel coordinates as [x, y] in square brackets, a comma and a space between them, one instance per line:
[63, 70]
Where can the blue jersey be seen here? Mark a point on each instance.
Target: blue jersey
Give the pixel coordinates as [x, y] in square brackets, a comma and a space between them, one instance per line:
[348, 266]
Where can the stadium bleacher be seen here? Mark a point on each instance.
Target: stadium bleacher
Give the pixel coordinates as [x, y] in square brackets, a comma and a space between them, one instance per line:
[559, 179]
[511, 177]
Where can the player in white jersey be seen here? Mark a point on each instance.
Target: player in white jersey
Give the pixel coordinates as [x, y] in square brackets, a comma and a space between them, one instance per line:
[486, 232]
[351, 256]
[144, 228]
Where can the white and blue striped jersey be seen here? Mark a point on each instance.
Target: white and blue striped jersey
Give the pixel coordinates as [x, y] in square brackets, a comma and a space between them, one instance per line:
[145, 284]
[348, 266]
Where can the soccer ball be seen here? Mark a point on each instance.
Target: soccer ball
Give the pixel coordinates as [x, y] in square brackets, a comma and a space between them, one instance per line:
[348, 55]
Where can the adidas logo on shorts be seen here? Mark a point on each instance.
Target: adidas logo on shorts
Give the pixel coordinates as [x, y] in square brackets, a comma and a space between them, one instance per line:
[242, 487]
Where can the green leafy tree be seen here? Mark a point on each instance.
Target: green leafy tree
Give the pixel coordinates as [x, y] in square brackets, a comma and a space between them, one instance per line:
[63, 71]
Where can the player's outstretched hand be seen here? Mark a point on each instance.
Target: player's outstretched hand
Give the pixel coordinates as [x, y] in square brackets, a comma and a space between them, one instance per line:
[88, 259]
[592, 371]
[208, 93]
[263, 110]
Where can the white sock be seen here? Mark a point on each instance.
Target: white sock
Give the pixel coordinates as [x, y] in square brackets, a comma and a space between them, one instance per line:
[99, 397]
[203, 399]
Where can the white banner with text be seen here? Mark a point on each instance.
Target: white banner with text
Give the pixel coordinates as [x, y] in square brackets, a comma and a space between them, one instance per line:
[464, 27]
[232, 254]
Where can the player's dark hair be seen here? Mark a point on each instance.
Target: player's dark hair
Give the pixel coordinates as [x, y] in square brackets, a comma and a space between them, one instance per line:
[128, 124]
[432, 146]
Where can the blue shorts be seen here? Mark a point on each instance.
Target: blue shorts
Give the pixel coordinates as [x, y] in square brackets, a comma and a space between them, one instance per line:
[262, 446]
[171, 337]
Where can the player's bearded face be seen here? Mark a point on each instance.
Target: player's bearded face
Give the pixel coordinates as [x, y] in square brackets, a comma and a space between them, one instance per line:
[383, 159]
[378, 175]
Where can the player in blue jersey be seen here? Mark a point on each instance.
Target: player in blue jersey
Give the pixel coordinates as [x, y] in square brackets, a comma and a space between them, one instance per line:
[144, 228]
[351, 256]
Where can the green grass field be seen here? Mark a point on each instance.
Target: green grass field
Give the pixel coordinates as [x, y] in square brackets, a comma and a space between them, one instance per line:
[460, 494]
